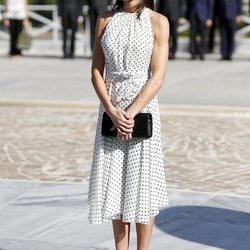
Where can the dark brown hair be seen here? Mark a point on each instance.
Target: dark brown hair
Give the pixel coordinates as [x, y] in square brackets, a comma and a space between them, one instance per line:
[118, 6]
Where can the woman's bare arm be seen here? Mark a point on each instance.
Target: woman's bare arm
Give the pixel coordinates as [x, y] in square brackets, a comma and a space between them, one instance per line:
[159, 63]
[119, 117]
[98, 63]
[26, 19]
[6, 21]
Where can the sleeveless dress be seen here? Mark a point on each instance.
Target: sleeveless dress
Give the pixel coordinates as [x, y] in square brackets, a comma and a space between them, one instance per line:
[127, 178]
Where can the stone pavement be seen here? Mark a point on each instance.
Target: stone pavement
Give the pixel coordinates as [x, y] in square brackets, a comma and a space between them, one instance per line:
[205, 149]
[48, 112]
[53, 216]
[211, 82]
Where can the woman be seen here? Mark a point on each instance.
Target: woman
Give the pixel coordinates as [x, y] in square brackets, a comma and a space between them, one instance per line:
[15, 19]
[127, 181]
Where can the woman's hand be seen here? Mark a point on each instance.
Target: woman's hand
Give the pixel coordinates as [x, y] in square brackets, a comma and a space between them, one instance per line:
[123, 122]
[59, 20]
[238, 19]
[209, 23]
[26, 24]
[130, 115]
[6, 22]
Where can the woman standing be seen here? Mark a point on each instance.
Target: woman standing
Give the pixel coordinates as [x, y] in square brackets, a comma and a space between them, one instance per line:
[15, 19]
[127, 181]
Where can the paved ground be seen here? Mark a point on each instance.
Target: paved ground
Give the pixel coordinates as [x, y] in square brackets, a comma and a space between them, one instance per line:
[205, 150]
[47, 124]
[198, 83]
[53, 216]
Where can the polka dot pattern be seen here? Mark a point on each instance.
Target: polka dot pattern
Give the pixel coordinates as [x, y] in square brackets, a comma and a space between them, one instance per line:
[127, 179]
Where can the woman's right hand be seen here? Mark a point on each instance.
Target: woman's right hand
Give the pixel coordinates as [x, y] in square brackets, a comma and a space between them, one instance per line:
[26, 23]
[6, 22]
[122, 122]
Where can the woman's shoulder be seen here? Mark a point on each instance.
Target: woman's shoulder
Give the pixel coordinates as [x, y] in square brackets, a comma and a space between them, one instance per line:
[158, 20]
[106, 16]
[103, 19]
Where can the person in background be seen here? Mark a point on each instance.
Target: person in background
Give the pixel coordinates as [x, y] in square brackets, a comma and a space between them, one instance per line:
[200, 15]
[230, 11]
[172, 9]
[212, 31]
[15, 19]
[96, 7]
[69, 14]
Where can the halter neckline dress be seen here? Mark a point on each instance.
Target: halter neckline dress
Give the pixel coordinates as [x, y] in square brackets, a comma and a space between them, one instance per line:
[127, 179]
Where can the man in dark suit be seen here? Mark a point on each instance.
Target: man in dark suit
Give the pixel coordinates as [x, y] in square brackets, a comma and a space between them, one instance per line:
[215, 25]
[69, 12]
[200, 15]
[96, 7]
[230, 11]
[172, 9]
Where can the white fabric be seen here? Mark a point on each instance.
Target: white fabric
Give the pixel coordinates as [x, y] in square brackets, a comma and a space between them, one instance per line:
[16, 9]
[127, 177]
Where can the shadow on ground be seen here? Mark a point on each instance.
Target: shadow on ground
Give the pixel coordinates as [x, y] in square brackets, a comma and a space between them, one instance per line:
[211, 226]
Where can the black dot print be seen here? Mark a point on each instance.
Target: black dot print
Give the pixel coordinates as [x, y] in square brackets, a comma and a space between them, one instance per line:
[127, 178]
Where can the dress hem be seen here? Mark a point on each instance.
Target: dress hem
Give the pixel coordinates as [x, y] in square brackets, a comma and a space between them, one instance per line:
[98, 222]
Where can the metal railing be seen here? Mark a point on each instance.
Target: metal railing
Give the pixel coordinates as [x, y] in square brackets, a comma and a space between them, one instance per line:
[52, 26]
[47, 24]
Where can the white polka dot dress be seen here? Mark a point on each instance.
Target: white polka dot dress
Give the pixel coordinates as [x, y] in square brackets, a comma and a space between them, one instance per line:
[127, 179]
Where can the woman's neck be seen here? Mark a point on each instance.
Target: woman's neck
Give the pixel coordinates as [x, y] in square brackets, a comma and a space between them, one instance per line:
[131, 6]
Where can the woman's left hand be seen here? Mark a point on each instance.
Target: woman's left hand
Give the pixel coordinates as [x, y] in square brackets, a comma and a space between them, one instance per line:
[6, 22]
[26, 23]
[121, 134]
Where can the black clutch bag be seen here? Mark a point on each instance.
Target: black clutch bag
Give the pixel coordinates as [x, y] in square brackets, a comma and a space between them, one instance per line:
[143, 126]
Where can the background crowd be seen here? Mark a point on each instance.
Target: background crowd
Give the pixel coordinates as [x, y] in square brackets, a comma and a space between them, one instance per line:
[205, 17]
